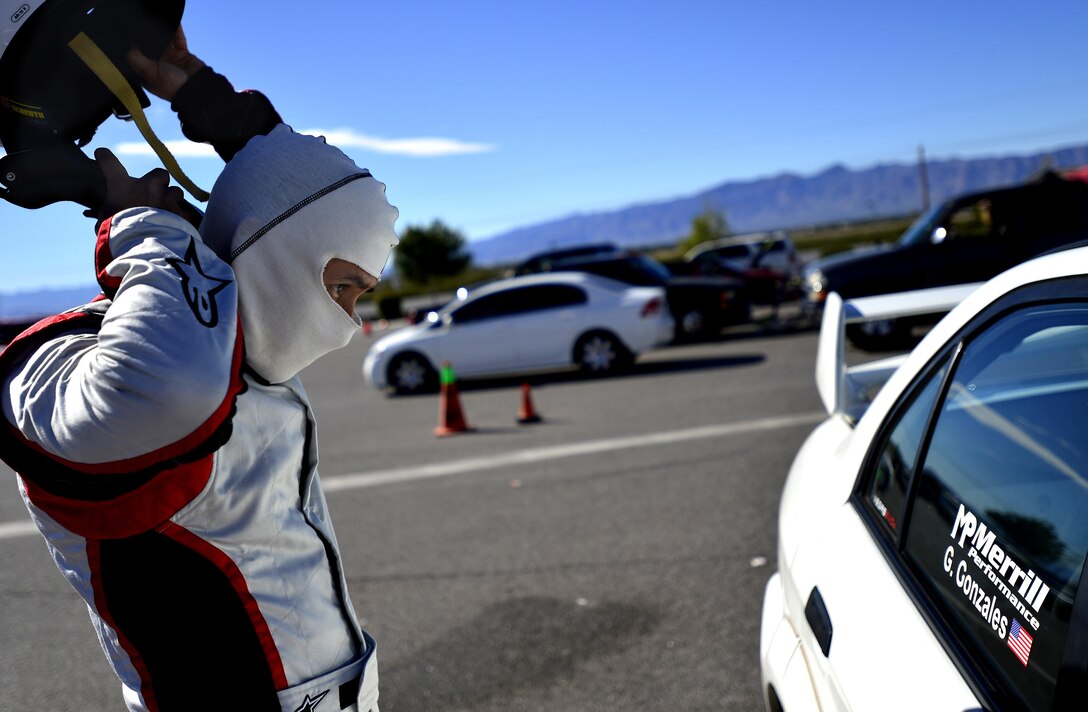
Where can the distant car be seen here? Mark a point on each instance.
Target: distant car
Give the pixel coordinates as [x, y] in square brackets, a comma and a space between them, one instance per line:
[768, 263]
[524, 324]
[966, 239]
[932, 532]
[762, 250]
[701, 306]
[544, 261]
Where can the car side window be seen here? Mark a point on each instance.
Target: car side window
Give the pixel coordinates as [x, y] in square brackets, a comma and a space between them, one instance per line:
[886, 489]
[996, 532]
[971, 222]
[545, 296]
[478, 309]
[518, 301]
[551, 296]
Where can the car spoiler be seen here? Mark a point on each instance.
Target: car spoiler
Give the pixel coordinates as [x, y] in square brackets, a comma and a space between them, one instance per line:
[847, 391]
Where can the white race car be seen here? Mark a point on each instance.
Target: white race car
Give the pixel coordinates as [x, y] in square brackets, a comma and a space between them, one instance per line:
[933, 530]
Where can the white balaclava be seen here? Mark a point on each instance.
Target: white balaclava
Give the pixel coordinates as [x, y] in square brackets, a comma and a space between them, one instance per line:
[283, 207]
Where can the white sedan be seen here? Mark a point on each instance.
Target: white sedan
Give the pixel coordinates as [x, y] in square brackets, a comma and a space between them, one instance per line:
[525, 324]
[933, 530]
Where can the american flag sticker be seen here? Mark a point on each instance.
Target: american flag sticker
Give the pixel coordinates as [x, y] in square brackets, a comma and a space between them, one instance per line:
[1019, 642]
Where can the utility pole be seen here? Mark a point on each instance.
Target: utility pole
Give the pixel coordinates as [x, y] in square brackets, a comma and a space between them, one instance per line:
[923, 177]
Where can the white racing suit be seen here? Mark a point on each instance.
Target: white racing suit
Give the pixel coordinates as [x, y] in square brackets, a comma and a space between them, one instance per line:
[178, 491]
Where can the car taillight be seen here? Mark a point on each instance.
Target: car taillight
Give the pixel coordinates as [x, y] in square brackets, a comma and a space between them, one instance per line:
[651, 308]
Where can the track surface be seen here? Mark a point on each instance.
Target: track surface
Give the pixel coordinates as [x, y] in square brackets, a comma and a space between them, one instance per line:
[612, 557]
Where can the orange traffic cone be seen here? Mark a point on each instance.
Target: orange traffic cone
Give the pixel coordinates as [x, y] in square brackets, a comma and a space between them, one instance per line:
[451, 419]
[527, 414]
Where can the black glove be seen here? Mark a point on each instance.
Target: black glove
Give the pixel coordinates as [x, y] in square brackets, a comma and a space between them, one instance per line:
[41, 176]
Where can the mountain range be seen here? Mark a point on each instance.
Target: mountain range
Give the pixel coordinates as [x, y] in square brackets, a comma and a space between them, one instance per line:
[786, 201]
[42, 302]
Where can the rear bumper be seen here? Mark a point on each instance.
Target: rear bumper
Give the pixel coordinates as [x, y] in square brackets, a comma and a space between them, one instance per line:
[664, 334]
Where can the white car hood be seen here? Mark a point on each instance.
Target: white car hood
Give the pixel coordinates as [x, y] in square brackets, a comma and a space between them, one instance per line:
[398, 337]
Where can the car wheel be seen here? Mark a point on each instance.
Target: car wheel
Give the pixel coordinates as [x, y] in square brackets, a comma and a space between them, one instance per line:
[692, 323]
[411, 373]
[600, 353]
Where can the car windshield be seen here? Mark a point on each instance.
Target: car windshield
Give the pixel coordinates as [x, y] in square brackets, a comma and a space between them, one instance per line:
[921, 229]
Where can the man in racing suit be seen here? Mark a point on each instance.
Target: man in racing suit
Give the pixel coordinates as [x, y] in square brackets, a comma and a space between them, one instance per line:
[164, 443]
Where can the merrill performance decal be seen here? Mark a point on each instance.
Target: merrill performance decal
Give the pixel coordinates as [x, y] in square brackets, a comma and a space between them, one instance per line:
[1023, 590]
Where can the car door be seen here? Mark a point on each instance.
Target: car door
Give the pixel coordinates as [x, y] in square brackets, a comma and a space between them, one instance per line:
[552, 316]
[971, 243]
[865, 642]
[954, 573]
[476, 337]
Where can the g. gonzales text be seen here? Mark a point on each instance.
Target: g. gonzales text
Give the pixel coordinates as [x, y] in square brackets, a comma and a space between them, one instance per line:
[1023, 589]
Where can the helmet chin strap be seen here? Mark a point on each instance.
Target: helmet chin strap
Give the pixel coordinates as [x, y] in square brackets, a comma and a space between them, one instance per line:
[97, 61]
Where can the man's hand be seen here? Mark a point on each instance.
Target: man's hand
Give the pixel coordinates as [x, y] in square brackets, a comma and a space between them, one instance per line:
[163, 77]
[153, 190]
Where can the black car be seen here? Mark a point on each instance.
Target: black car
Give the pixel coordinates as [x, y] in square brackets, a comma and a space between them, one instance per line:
[542, 261]
[701, 306]
[970, 238]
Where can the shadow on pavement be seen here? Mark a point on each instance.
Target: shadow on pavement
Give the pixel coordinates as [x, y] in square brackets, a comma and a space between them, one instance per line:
[509, 647]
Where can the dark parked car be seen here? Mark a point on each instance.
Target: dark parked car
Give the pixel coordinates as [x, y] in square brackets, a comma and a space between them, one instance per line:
[767, 262]
[773, 251]
[970, 238]
[542, 261]
[700, 306]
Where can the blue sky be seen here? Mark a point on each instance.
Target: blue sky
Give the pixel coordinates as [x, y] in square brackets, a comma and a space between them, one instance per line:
[490, 116]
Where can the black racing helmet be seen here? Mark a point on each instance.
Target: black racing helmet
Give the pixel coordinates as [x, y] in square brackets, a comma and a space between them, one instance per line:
[51, 102]
[47, 94]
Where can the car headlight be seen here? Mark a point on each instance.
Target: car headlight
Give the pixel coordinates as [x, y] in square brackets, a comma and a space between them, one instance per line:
[816, 284]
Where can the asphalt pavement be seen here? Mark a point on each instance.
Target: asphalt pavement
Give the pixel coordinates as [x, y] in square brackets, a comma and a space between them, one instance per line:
[611, 557]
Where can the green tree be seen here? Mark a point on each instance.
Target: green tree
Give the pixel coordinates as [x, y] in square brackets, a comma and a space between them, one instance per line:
[707, 225]
[425, 253]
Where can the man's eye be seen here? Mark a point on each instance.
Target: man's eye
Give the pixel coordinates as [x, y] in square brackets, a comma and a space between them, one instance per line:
[335, 290]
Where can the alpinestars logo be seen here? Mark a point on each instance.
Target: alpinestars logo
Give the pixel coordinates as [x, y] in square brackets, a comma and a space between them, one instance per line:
[310, 703]
[200, 289]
